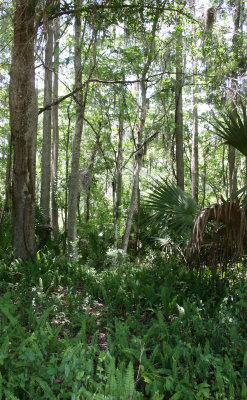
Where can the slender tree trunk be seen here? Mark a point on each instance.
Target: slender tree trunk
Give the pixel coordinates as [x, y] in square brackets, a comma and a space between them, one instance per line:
[87, 204]
[55, 144]
[115, 220]
[224, 172]
[67, 138]
[6, 201]
[74, 176]
[232, 151]
[118, 179]
[137, 167]
[46, 145]
[137, 222]
[194, 155]
[134, 191]
[179, 106]
[139, 138]
[88, 188]
[23, 121]
[245, 181]
[232, 170]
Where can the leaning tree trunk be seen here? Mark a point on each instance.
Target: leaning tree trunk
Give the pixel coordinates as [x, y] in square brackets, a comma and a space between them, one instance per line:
[55, 143]
[23, 121]
[46, 145]
[179, 106]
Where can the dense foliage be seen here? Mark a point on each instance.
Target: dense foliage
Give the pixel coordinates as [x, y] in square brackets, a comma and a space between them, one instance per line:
[122, 222]
[151, 331]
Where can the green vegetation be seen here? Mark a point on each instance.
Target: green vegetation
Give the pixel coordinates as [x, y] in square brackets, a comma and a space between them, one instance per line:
[123, 207]
[150, 331]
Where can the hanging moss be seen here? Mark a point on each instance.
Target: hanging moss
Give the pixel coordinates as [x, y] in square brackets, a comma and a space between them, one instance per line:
[210, 17]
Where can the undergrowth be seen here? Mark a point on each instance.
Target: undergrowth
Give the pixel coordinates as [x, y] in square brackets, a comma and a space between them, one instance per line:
[152, 331]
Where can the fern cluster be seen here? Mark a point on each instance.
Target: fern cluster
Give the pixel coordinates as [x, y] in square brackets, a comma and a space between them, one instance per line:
[140, 332]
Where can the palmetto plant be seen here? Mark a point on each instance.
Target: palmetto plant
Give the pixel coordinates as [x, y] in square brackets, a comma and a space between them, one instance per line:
[212, 237]
[218, 235]
[215, 235]
[232, 128]
[171, 212]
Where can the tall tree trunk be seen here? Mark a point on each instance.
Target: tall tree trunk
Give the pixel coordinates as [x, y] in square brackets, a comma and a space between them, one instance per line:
[137, 221]
[23, 121]
[139, 137]
[89, 184]
[194, 155]
[134, 192]
[232, 151]
[55, 143]
[232, 170]
[118, 179]
[179, 105]
[67, 141]
[137, 166]
[74, 176]
[224, 172]
[46, 145]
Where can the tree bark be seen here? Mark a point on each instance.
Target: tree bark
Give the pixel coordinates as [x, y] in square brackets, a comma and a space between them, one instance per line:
[55, 127]
[232, 150]
[139, 138]
[89, 184]
[67, 144]
[46, 145]
[74, 176]
[134, 192]
[179, 106]
[194, 155]
[232, 170]
[6, 202]
[118, 179]
[137, 167]
[23, 122]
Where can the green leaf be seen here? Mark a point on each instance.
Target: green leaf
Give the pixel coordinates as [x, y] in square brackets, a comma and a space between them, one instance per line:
[172, 210]
[177, 396]
[44, 386]
[9, 395]
[204, 389]
[232, 128]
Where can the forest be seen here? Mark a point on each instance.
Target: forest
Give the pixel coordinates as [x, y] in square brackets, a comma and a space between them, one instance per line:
[123, 207]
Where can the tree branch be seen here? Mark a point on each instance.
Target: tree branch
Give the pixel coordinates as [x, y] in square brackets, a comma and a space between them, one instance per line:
[67, 10]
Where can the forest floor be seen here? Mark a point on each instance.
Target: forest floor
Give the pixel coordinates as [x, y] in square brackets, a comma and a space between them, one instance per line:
[151, 331]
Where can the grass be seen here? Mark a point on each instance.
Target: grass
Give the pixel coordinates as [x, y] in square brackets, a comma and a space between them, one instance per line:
[151, 331]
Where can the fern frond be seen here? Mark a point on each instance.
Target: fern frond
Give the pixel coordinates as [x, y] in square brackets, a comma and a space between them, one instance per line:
[9, 395]
[45, 387]
[129, 380]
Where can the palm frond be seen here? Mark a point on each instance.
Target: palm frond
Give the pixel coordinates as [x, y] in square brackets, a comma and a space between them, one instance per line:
[218, 235]
[171, 209]
[232, 128]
